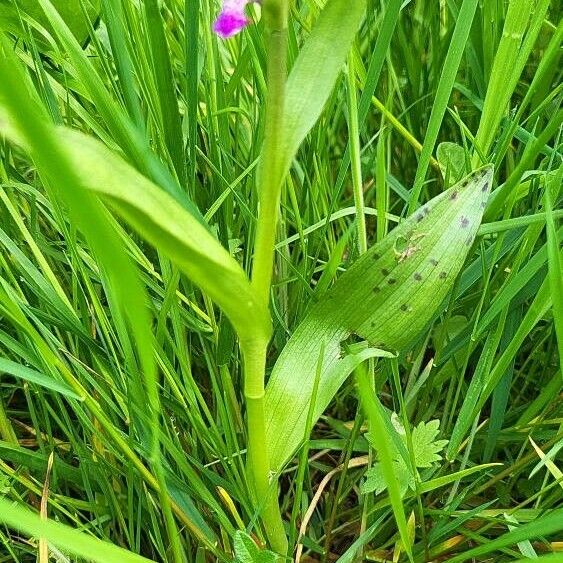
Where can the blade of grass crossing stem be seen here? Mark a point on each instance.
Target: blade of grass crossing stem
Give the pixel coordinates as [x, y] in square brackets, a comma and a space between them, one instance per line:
[354, 135]
[555, 263]
[122, 279]
[377, 426]
[72, 541]
[445, 86]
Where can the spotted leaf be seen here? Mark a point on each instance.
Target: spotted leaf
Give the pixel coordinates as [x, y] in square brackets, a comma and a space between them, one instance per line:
[387, 297]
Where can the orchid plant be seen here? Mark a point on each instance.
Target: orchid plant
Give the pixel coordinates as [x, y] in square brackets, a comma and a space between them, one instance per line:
[369, 308]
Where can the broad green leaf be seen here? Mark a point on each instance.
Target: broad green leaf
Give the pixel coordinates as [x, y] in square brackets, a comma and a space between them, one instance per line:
[33, 376]
[161, 220]
[69, 540]
[315, 71]
[246, 551]
[387, 297]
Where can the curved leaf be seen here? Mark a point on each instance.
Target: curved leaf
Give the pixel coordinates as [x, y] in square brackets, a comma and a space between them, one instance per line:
[387, 297]
[162, 221]
[315, 71]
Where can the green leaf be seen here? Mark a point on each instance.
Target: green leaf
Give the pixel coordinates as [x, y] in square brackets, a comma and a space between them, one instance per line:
[452, 161]
[426, 447]
[375, 480]
[161, 220]
[315, 71]
[246, 551]
[64, 537]
[33, 376]
[166, 224]
[70, 11]
[401, 284]
[426, 453]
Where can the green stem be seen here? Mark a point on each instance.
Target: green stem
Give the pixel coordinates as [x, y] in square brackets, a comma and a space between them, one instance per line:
[270, 184]
[258, 458]
[355, 154]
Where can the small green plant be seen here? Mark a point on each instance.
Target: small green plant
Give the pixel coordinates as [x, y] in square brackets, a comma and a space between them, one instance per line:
[426, 453]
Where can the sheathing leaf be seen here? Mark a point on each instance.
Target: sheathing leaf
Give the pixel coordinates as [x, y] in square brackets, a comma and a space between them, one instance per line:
[387, 297]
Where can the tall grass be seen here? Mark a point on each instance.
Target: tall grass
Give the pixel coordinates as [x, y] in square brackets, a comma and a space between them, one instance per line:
[255, 297]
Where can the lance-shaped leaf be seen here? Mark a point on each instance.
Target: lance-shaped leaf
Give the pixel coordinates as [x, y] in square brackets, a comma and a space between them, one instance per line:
[162, 221]
[387, 297]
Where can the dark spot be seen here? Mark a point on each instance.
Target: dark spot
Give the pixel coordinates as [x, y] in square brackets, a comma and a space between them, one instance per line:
[443, 275]
[454, 195]
[485, 187]
[417, 277]
[483, 204]
[419, 218]
[376, 289]
[375, 256]
[385, 271]
[404, 307]
[373, 323]
[463, 183]
[433, 261]
[464, 222]
[426, 210]
[391, 281]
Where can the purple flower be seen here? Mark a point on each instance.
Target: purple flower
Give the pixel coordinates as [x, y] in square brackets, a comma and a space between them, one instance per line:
[232, 18]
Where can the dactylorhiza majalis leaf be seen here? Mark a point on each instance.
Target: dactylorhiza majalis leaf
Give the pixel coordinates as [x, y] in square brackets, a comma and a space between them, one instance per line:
[426, 450]
[387, 297]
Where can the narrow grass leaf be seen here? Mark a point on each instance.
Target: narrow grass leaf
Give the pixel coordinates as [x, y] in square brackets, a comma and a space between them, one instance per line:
[34, 376]
[64, 537]
[543, 526]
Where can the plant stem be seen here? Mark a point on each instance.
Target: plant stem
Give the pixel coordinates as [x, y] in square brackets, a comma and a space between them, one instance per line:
[270, 181]
[354, 132]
